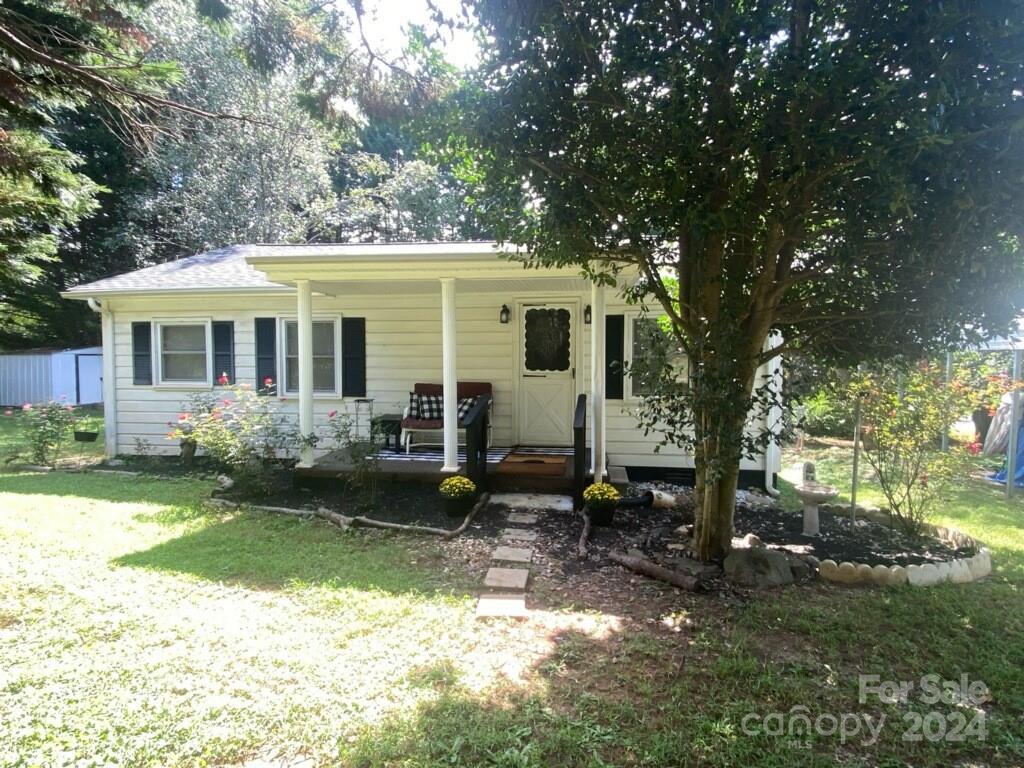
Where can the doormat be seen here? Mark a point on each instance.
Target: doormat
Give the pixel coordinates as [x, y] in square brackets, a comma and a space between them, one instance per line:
[519, 464]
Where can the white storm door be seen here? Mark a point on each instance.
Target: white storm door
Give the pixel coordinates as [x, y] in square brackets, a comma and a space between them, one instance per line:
[547, 374]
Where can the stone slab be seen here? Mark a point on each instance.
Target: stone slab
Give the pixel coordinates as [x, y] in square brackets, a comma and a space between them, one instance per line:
[518, 534]
[510, 579]
[618, 476]
[522, 518]
[501, 604]
[512, 554]
[553, 501]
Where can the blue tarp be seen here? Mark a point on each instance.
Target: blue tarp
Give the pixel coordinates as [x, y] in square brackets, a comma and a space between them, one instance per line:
[1000, 476]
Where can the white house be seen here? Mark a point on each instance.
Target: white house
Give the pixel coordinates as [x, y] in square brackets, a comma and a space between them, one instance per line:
[331, 324]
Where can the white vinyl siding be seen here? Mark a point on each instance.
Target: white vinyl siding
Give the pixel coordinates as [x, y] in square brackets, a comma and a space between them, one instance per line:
[403, 346]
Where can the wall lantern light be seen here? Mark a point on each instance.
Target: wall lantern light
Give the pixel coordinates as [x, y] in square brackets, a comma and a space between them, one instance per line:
[586, 315]
[504, 315]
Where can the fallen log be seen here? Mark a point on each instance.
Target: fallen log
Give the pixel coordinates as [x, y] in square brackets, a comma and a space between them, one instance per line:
[583, 548]
[344, 521]
[645, 567]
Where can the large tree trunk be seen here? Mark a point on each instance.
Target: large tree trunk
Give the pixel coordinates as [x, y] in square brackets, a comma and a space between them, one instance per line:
[714, 528]
[719, 447]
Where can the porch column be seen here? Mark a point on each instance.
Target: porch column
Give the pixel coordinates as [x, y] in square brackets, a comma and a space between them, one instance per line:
[450, 376]
[597, 358]
[305, 328]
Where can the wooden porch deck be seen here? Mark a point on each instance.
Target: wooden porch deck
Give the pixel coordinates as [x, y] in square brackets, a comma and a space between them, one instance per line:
[425, 466]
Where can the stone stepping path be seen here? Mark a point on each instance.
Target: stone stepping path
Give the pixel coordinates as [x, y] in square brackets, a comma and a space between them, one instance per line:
[518, 534]
[513, 554]
[522, 518]
[501, 605]
[507, 578]
[509, 583]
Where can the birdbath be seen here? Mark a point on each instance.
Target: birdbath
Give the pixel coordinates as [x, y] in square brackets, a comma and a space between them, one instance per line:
[812, 493]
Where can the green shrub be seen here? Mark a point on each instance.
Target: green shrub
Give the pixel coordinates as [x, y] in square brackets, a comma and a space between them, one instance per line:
[828, 414]
[241, 431]
[47, 426]
[904, 412]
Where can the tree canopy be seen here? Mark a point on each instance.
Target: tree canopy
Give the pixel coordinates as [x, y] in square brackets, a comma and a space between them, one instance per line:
[846, 173]
[229, 121]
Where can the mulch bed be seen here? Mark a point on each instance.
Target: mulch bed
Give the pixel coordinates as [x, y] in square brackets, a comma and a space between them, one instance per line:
[865, 541]
[656, 533]
[406, 503]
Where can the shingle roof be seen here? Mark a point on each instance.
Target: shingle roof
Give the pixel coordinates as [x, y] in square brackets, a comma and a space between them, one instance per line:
[224, 268]
[227, 269]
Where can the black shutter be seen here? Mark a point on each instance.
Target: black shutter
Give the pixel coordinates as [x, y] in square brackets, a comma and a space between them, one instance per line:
[353, 356]
[266, 352]
[614, 341]
[142, 353]
[224, 351]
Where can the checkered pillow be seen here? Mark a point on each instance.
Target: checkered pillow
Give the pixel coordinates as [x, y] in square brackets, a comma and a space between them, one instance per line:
[464, 405]
[414, 405]
[431, 407]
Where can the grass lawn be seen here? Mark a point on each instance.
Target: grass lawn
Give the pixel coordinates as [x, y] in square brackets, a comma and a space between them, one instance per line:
[140, 628]
[15, 448]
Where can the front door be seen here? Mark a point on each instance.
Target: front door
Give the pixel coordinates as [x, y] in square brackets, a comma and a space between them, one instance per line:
[547, 374]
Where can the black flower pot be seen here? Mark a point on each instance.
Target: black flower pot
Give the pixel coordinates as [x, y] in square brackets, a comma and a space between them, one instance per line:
[84, 436]
[602, 514]
[457, 507]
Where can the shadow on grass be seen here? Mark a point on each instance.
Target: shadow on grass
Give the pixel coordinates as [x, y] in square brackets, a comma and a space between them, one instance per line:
[262, 551]
[639, 697]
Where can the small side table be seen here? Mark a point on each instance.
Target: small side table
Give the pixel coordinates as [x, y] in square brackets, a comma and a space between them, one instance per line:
[389, 425]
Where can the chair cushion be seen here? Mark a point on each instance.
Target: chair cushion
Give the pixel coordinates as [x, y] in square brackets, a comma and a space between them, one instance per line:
[465, 403]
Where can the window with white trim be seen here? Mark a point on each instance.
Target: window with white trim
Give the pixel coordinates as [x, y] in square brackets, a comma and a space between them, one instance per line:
[183, 352]
[326, 356]
[649, 347]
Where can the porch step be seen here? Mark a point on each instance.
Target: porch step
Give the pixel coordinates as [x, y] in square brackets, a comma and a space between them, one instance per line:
[526, 483]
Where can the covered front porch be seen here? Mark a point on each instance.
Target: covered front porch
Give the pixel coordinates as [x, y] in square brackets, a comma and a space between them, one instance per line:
[501, 468]
[535, 335]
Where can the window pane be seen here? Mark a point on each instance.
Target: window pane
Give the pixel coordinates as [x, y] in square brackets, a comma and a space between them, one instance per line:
[323, 339]
[547, 339]
[323, 356]
[323, 374]
[652, 351]
[292, 374]
[184, 338]
[179, 366]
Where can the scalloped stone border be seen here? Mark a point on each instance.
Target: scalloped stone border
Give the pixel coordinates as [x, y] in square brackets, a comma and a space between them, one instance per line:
[957, 571]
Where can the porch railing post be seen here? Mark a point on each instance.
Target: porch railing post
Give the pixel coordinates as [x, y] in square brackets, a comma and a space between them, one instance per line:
[476, 441]
[579, 451]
